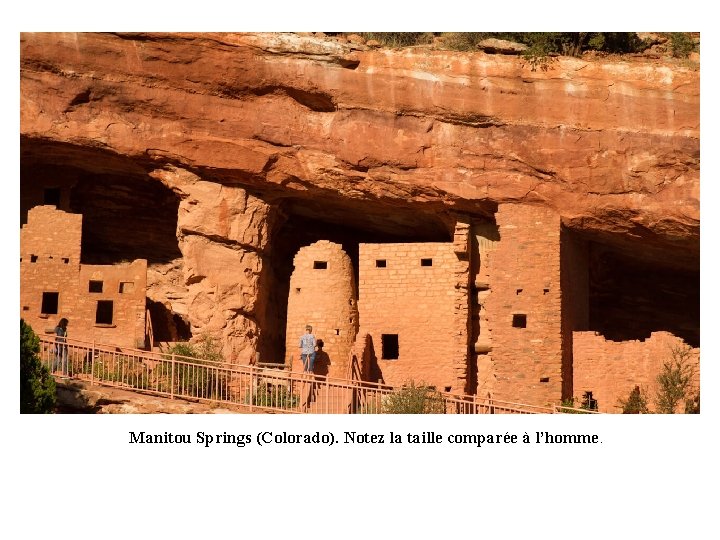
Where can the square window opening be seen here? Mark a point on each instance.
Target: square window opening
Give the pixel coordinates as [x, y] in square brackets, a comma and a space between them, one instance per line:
[390, 347]
[50, 302]
[545, 291]
[66, 260]
[519, 320]
[380, 263]
[95, 286]
[588, 402]
[518, 291]
[33, 258]
[52, 196]
[425, 262]
[126, 287]
[320, 265]
[104, 312]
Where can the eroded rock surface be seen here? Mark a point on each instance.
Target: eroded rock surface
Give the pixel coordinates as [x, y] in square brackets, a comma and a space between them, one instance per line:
[257, 136]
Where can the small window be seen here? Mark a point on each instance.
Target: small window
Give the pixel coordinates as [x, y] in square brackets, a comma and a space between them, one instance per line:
[66, 260]
[337, 331]
[50, 303]
[320, 265]
[545, 379]
[26, 308]
[518, 291]
[448, 388]
[588, 402]
[104, 312]
[519, 320]
[95, 286]
[126, 287]
[380, 263]
[297, 290]
[33, 258]
[390, 347]
[425, 262]
[52, 196]
[545, 291]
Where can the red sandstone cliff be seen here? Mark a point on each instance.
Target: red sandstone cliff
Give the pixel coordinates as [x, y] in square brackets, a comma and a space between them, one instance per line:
[254, 130]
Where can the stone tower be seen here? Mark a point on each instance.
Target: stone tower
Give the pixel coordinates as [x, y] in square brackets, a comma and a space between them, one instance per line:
[323, 295]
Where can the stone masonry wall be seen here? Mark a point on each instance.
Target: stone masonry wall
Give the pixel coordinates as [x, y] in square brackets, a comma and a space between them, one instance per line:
[611, 369]
[418, 304]
[50, 262]
[323, 295]
[525, 290]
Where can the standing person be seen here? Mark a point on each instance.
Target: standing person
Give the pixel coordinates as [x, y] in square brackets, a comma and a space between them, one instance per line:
[61, 346]
[307, 349]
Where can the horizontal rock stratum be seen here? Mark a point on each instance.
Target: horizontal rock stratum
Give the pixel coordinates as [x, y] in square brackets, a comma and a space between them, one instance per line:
[612, 145]
[565, 196]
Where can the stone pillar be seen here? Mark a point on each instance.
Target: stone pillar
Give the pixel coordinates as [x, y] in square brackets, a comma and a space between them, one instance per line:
[222, 234]
[524, 306]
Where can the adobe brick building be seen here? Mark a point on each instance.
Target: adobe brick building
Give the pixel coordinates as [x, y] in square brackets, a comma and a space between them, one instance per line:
[502, 311]
[103, 303]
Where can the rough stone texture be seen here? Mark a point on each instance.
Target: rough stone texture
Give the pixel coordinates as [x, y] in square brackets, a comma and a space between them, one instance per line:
[502, 46]
[83, 397]
[610, 370]
[50, 262]
[612, 146]
[325, 297]
[203, 153]
[525, 282]
[222, 232]
[419, 305]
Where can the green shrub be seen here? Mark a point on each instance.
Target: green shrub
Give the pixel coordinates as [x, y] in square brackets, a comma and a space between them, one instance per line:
[271, 395]
[119, 369]
[674, 380]
[682, 44]
[195, 375]
[636, 403]
[37, 387]
[399, 39]
[412, 399]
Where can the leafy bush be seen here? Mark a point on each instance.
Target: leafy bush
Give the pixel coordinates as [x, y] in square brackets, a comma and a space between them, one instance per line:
[675, 380]
[200, 379]
[682, 44]
[271, 395]
[399, 39]
[636, 403]
[412, 399]
[119, 369]
[37, 387]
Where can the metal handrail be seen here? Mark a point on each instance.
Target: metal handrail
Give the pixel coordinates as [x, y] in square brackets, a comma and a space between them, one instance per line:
[255, 387]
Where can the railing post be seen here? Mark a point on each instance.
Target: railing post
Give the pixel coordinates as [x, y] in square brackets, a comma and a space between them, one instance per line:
[92, 363]
[172, 376]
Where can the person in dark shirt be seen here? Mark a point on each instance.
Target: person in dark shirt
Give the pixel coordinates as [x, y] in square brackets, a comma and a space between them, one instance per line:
[61, 350]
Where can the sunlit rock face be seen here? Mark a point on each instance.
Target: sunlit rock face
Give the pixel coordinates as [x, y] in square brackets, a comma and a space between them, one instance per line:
[216, 157]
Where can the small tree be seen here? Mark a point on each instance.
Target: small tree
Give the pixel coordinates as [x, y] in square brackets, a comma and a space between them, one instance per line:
[37, 387]
[675, 380]
[411, 399]
[636, 403]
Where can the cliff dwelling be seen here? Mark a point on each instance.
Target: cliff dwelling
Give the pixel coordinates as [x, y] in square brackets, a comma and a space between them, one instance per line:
[527, 235]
